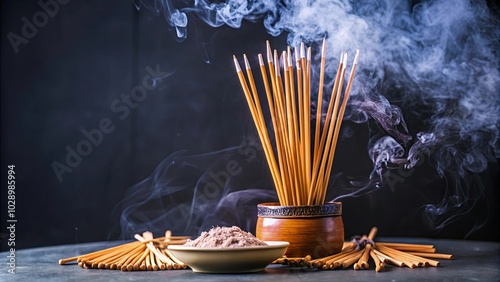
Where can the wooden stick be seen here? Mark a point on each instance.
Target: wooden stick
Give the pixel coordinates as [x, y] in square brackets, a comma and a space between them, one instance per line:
[338, 124]
[148, 262]
[155, 252]
[96, 262]
[169, 263]
[300, 101]
[161, 265]
[137, 262]
[363, 260]
[295, 130]
[134, 256]
[296, 102]
[409, 247]
[95, 254]
[320, 97]
[307, 112]
[176, 260]
[296, 183]
[120, 263]
[293, 261]
[290, 130]
[399, 256]
[432, 255]
[319, 262]
[255, 115]
[351, 259]
[328, 119]
[270, 102]
[143, 260]
[127, 265]
[421, 261]
[412, 263]
[341, 116]
[262, 123]
[329, 152]
[315, 197]
[152, 259]
[112, 254]
[107, 262]
[373, 233]
[113, 263]
[287, 127]
[388, 259]
[278, 108]
[378, 264]
[336, 261]
[349, 246]
[286, 169]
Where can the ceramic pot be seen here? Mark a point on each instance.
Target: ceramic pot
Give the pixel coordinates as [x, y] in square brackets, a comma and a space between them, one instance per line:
[316, 230]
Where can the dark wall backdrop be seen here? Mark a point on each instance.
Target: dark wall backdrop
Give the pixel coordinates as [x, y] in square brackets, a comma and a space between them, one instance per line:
[68, 88]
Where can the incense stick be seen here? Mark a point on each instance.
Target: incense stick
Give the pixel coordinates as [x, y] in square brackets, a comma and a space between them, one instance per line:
[300, 161]
[358, 252]
[147, 253]
[261, 129]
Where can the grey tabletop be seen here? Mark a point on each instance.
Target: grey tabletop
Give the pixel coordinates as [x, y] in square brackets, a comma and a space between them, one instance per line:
[472, 261]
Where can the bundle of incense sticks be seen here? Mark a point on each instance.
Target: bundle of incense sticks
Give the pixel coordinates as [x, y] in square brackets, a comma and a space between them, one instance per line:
[358, 252]
[300, 160]
[147, 253]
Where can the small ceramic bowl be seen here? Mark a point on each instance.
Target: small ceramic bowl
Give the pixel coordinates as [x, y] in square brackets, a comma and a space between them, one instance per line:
[229, 260]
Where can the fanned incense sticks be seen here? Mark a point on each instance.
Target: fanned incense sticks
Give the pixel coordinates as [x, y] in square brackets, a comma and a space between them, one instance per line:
[300, 160]
[358, 252]
[146, 253]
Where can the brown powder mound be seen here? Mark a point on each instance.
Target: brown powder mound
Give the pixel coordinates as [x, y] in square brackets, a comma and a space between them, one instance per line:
[225, 237]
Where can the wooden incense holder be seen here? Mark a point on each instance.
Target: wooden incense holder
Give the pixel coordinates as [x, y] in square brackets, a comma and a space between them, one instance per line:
[316, 230]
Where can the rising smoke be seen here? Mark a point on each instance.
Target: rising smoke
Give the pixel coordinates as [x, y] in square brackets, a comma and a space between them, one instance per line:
[436, 60]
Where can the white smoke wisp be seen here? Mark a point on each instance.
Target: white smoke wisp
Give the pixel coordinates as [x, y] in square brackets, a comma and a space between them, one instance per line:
[188, 194]
[437, 60]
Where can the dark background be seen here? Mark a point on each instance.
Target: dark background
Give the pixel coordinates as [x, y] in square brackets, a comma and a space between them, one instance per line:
[65, 79]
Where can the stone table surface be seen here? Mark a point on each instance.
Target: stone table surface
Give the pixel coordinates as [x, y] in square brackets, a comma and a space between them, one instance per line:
[472, 261]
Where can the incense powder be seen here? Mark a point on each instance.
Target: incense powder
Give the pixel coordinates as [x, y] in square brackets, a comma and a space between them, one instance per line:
[225, 237]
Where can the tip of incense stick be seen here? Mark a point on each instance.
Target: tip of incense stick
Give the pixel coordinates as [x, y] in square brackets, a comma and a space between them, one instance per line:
[296, 53]
[309, 53]
[302, 50]
[236, 64]
[290, 64]
[373, 231]
[269, 53]
[344, 62]
[147, 235]
[247, 64]
[356, 57]
[284, 59]
[261, 60]
[323, 48]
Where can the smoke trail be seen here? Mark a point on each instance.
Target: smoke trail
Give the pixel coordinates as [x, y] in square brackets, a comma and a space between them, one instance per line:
[188, 194]
[437, 60]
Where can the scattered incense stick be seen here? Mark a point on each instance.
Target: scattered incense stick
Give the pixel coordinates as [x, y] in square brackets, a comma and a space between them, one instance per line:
[357, 254]
[293, 261]
[147, 253]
